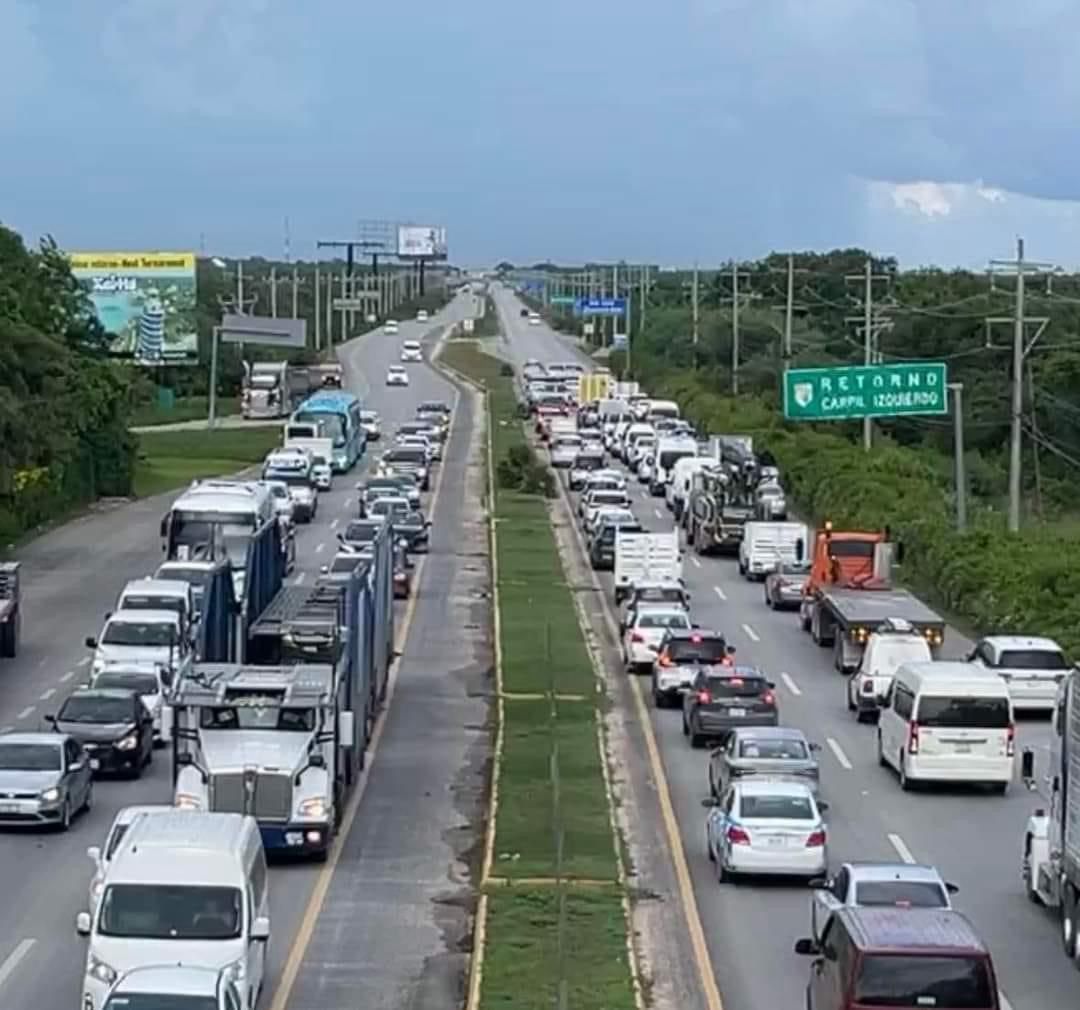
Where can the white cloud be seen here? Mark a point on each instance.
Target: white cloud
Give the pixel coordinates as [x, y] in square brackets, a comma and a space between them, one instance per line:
[927, 198]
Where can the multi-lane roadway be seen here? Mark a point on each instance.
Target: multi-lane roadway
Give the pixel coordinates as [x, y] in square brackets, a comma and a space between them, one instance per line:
[381, 923]
[972, 837]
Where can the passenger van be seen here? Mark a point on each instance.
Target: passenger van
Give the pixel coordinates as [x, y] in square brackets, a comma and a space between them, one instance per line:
[161, 594]
[677, 491]
[186, 888]
[764, 544]
[947, 722]
[875, 956]
[658, 409]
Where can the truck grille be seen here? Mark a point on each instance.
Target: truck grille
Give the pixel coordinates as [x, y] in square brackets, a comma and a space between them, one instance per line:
[269, 798]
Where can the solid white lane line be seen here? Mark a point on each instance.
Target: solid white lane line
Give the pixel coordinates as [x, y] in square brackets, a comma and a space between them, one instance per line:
[67, 676]
[46, 695]
[319, 548]
[85, 661]
[790, 684]
[333, 524]
[901, 849]
[838, 753]
[751, 633]
[29, 710]
[694, 561]
[720, 593]
[11, 962]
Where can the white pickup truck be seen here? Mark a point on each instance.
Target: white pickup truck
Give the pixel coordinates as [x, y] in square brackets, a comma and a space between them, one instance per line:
[645, 557]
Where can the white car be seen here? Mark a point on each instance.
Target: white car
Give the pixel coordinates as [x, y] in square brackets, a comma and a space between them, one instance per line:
[534, 318]
[322, 475]
[102, 856]
[608, 514]
[411, 351]
[390, 327]
[372, 425]
[564, 451]
[416, 442]
[1032, 667]
[422, 316]
[397, 376]
[645, 467]
[645, 631]
[767, 827]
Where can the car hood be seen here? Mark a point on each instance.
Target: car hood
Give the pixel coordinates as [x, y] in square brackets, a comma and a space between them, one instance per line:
[129, 653]
[27, 782]
[262, 748]
[95, 732]
[125, 953]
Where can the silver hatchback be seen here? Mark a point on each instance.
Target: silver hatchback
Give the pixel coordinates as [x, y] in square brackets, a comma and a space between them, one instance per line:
[764, 751]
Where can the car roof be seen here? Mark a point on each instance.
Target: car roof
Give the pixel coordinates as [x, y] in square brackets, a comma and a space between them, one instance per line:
[884, 928]
[689, 633]
[761, 786]
[768, 733]
[53, 739]
[128, 814]
[158, 587]
[893, 871]
[144, 617]
[1022, 642]
[99, 692]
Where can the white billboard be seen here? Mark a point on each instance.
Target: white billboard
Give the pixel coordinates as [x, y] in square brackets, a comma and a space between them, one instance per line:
[420, 242]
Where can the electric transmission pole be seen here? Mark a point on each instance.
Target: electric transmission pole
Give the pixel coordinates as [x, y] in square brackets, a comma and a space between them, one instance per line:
[872, 325]
[694, 302]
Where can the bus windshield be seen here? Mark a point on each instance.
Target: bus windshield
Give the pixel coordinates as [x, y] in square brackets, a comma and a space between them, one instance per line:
[201, 532]
[334, 424]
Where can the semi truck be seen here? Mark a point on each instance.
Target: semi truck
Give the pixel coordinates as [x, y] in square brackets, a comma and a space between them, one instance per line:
[849, 595]
[272, 389]
[10, 615]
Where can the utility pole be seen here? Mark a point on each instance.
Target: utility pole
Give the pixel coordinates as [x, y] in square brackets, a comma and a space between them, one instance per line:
[694, 313]
[789, 307]
[960, 478]
[318, 307]
[871, 325]
[734, 327]
[1018, 321]
[295, 292]
[273, 292]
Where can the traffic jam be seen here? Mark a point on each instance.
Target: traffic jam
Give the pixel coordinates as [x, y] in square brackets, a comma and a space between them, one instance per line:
[881, 933]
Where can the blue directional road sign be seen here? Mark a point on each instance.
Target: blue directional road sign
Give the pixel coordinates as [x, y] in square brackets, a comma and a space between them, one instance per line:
[602, 306]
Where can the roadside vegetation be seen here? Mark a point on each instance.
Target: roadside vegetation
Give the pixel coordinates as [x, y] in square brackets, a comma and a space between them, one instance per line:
[172, 459]
[187, 408]
[555, 924]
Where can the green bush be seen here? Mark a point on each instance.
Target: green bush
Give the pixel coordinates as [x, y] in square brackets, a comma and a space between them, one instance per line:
[520, 470]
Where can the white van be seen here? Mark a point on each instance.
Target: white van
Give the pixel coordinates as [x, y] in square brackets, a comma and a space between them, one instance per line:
[948, 722]
[630, 436]
[161, 594]
[682, 474]
[764, 544]
[142, 636]
[184, 888]
[662, 408]
[894, 643]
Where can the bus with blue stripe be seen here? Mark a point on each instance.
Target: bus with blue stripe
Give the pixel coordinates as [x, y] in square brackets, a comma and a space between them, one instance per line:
[339, 414]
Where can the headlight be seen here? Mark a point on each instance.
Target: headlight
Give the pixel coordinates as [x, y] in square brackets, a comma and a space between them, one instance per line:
[188, 801]
[313, 808]
[130, 742]
[50, 795]
[100, 970]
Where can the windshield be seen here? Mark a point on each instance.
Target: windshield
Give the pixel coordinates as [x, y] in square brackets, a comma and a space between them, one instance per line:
[157, 634]
[138, 601]
[95, 709]
[675, 620]
[901, 893]
[658, 594]
[264, 381]
[851, 548]
[140, 683]
[171, 912]
[588, 462]
[333, 424]
[964, 713]
[253, 715]
[773, 750]
[607, 498]
[896, 980]
[1033, 659]
[361, 533]
[155, 1001]
[29, 757]
[406, 455]
[780, 808]
[905, 650]
[697, 649]
[198, 530]
[346, 562]
[291, 478]
[390, 507]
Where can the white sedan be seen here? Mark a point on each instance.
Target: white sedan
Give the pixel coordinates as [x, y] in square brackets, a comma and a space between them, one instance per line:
[390, 327]
[767, 827]
[397, 376]
[644, 632]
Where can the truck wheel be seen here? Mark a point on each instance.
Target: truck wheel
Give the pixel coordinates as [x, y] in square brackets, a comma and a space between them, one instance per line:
[838, 655]
[1068, 923]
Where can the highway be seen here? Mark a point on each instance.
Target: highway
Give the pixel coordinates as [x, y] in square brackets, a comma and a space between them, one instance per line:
[387, 907]
[974, 838]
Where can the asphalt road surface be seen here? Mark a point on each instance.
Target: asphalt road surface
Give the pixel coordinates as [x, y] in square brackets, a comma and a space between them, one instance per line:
[974, 838]
[387, 900]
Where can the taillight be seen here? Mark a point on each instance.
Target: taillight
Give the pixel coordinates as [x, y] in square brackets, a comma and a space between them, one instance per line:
[637, 637]
[768, 698]
[664, 659]
[737, 836]
[913, 738]
[704, 698]
[816, 840]
[1010, 742]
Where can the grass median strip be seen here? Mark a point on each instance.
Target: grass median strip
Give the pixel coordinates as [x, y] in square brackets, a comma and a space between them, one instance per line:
[172, 459]
[560, 924]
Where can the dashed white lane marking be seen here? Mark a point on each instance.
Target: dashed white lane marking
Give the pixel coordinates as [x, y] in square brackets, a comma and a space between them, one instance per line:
[694, 561]
[67, 676]
[659, 514]
[348, 504]
[751, 633]
[719, 592]
[790, 684]
[319, 548]
[85, 661]
[29, 710]
[333, 524]
[901, 848]
[299, 578]
[46, 695]
[838, 753]
[11, 962]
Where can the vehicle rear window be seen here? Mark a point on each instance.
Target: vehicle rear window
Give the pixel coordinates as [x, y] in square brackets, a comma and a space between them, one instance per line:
[663, 621]
[851, 548]
[737, 687]
[697, 649]
[654, 594]
[1033, 659]
[964, 713]
[773, 750]
[608, 497]
[360, 533]
[894, 980]
[787, 808]
[588, 462]
[901, 893]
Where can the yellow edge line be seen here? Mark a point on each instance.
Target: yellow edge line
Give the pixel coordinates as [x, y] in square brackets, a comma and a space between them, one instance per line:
[322, 884]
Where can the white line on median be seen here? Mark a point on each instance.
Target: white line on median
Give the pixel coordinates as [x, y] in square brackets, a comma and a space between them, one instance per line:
[333, 524]
[11, 962]
[838, 752]
[751, 633]
[720, 593]
[29, 710]
[790, 684]
[694, 561]
[901, 849]
[46, 695]
[67, 676]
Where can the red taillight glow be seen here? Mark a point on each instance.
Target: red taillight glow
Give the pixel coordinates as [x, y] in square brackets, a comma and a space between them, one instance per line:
[1010, 743]
[736, 682]
[637, 637]
[664, 659]
[737, 836]
[769, 698]
[704, 698]
[816, 840]
[913, 738]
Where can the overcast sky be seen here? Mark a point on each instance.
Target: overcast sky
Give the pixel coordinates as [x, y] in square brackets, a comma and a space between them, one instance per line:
[933, 130]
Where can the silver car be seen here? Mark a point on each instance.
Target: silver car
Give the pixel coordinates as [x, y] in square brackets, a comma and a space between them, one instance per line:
[784, 585]
[776, 751]
[767, 827]
[45, 779]
[895, 885]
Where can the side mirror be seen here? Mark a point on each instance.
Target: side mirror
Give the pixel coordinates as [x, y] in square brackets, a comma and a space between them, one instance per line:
[76, 767]
[883, 701]
[90, 642]
[94, 852]
[772, 687]
[951, 888]
[82, 924]
[427, 523]
[710, 801]
[815, 746]
[818, 883]
[318, 761]
[260, 928]
[49, 718]
[184, 759]
[822, 806]
[694, 624]
[807, 946]
[731, 650]
[323, 569]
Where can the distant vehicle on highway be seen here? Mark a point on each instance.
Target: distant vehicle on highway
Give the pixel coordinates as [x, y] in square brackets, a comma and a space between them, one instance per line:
[397, 376]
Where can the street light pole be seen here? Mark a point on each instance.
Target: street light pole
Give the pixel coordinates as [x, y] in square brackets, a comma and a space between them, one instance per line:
[957, 389]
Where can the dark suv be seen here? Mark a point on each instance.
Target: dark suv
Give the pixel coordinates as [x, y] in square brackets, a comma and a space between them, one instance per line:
[722, 698]
[899, 957]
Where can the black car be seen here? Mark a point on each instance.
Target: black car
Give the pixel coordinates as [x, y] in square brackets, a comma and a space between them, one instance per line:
[413, 529]
[722, 698]
[359, 532]
[602, 545]
[412, 460]
[113, 725]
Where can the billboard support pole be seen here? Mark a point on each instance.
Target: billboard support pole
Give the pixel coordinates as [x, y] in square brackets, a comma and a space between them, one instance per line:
[211, 419]
[421, 278]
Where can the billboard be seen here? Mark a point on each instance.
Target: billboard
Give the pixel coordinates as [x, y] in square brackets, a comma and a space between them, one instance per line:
[420, 242]
[145, 301]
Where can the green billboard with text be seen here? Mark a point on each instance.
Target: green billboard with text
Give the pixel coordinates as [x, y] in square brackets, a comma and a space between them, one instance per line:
[842, 393]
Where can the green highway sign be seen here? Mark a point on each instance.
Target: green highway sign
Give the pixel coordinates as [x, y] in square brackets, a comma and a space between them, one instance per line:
[836, 394]
[563, 299]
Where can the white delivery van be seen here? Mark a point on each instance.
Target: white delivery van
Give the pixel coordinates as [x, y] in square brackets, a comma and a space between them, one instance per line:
[185, 888]
[766, 543]
[657, 409]
[645, 557]
[161, 594]
[948, 722]
[670, 449]
[677, 492]
[633, 434]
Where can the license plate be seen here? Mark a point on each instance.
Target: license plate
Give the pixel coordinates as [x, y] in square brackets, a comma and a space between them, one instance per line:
[95, 764]
[9, 808]
[736, 713]
[963, 748]
[776, 843]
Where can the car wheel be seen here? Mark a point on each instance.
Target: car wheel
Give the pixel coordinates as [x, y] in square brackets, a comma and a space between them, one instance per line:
[658, 699]
[768, 600]
[685, 726]
[697, 741]
[851, 706]
[1068, 923]
[906, 782]
[65, 817]
[881, 752]
[708, 846]
[88, 802]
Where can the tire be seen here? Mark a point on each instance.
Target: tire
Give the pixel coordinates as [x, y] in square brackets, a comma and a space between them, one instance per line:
[999, 788]
[768, 600]
[708, 848]
[9, 636]
[658, 700]
[89, 801]
[851, 706]
[65, 817]
[881, 752]
[685, 726]
[697, 741]
[906, 782]
[1068, 923]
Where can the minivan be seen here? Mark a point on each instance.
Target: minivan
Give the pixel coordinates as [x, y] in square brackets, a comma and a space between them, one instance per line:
[947, 722]
[185, 887]
[910, 958]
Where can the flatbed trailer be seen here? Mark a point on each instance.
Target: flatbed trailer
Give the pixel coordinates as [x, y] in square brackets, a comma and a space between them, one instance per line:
[845, 619]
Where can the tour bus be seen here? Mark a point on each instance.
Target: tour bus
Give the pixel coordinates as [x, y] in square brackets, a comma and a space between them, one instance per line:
[340, 413]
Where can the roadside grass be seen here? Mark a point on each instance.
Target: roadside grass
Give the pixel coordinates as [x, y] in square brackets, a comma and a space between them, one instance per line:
[172, 459]
[188, 408]
[552, 821]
